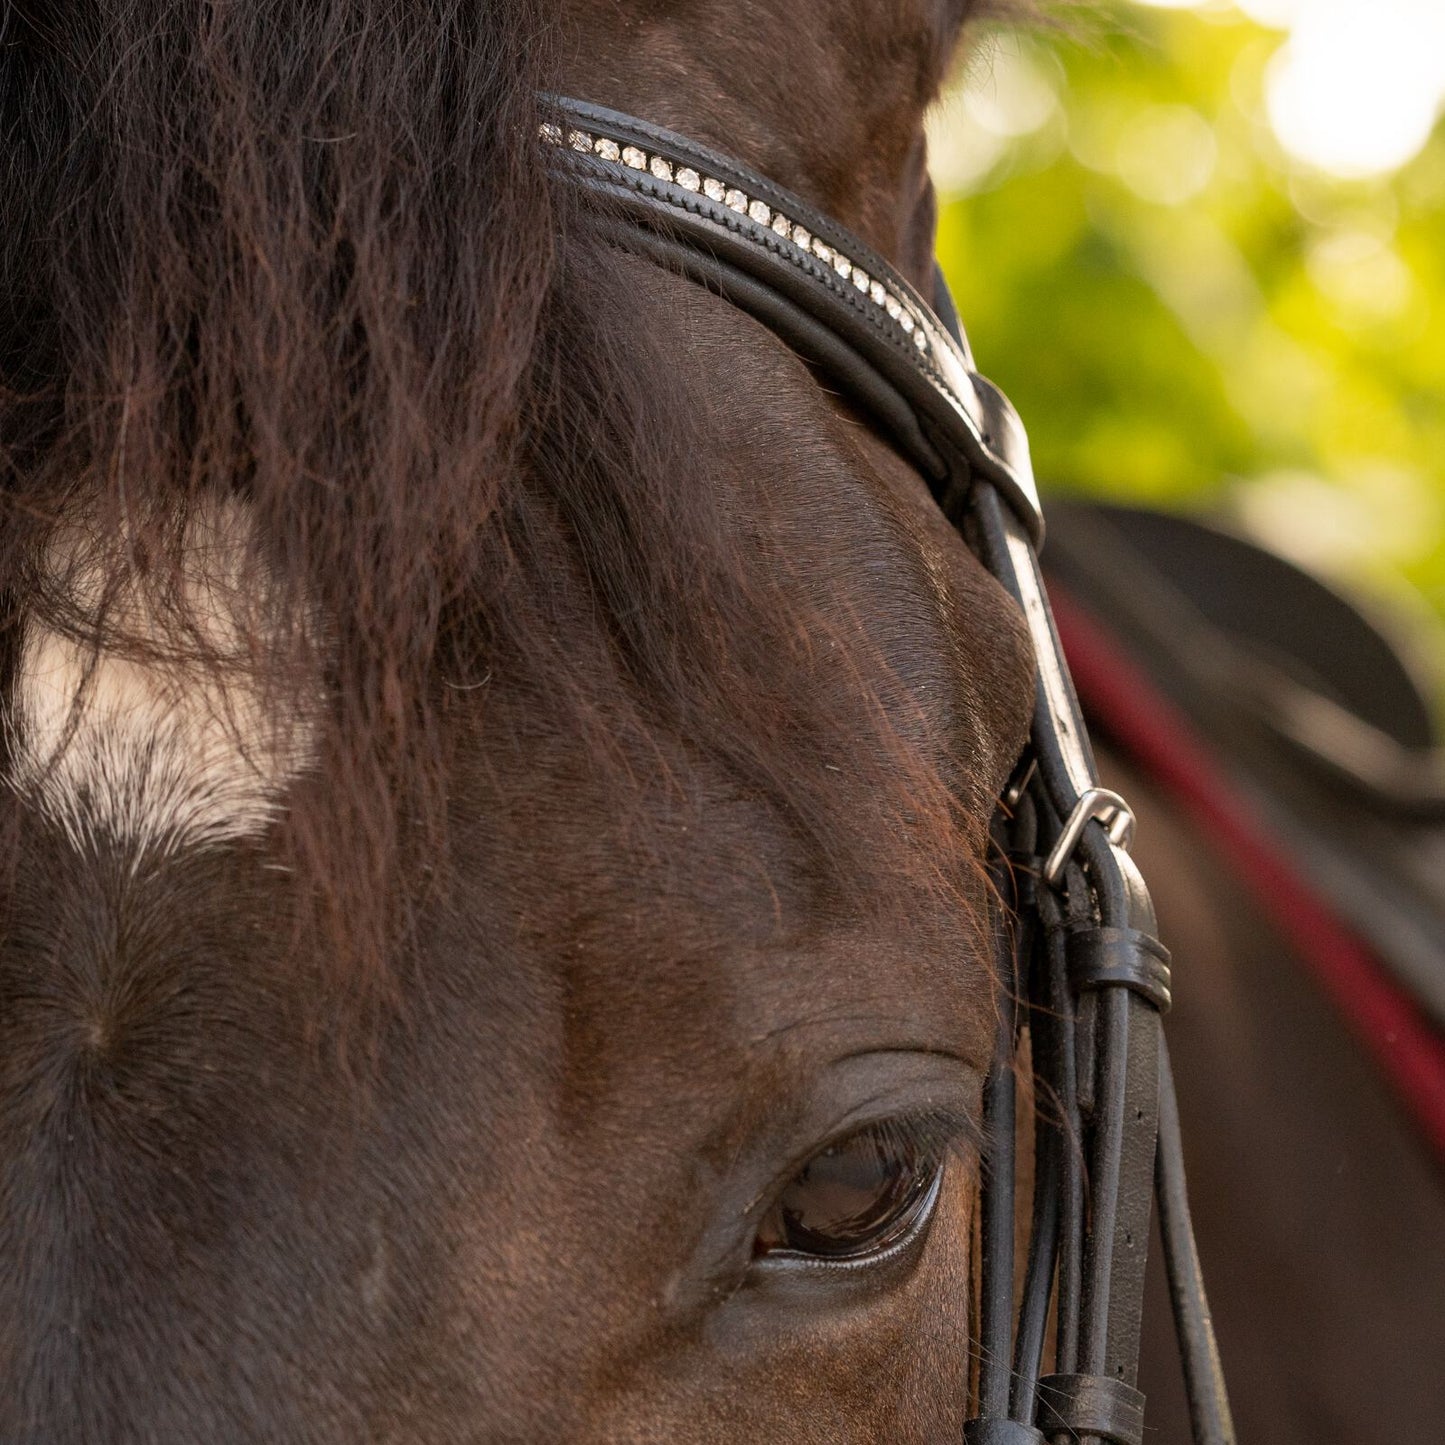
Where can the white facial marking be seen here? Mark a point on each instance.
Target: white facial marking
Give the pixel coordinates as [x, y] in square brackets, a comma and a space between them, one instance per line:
[157, 749]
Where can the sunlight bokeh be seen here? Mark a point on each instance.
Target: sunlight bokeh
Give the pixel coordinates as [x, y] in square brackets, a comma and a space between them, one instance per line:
[1202, 246]
[1354, 89]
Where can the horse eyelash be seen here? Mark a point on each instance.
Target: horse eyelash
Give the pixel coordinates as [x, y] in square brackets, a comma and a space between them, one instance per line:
[940, 1131]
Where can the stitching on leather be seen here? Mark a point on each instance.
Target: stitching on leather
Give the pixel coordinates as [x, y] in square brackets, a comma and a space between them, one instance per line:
[972, 409]
[647, 185]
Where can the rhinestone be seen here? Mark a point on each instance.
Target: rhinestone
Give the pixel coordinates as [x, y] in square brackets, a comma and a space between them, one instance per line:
[609, 150]
[713, 190]
[635, 158]
[579, 140]
[920, 340]
[892, 307]
[735, 200]
[877, 293]
[550, 133]
[908, 322]
[661, 168]
[802, 237]
[758, 211]
[842, 265]
[860, 279]
[689, 179]
[781, 224]
[823, 251]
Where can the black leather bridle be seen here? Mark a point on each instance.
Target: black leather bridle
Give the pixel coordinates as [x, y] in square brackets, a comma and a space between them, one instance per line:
[1085, 981]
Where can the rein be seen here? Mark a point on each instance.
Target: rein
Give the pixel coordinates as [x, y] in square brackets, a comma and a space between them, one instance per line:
[1081, 969]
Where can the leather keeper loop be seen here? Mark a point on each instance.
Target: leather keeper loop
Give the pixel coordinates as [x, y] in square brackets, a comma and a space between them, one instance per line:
[1099, 1405]
[1120, 957]
[1001, 1432]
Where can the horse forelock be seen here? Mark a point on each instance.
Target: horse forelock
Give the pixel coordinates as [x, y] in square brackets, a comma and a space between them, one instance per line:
[259, 272]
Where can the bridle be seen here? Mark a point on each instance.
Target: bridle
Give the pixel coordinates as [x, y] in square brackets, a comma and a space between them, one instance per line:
[1084, 979]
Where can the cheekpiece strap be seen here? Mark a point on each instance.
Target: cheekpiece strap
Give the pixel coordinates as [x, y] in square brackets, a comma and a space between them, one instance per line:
[1002, 1432]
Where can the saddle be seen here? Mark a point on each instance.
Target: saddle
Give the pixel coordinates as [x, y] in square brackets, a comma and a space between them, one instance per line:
[1305, 703]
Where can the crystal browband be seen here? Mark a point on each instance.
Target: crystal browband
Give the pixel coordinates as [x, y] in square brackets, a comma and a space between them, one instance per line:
[817, 285]
[899, 309]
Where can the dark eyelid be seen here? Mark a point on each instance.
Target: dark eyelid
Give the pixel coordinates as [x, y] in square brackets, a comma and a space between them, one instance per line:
[940, 1130]
[936, 1129]
[914, 1084]
[945, 1125]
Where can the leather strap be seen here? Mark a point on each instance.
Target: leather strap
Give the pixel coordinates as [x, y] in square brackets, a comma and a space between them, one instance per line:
[1001, 1432]
[838, 302]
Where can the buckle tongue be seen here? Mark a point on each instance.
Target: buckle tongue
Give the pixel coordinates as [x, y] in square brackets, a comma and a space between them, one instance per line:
[1094, 803]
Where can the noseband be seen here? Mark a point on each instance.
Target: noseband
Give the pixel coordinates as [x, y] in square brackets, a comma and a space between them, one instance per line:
[1083, 976]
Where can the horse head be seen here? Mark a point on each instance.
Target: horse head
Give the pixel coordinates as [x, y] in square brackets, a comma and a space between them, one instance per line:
[496, 939]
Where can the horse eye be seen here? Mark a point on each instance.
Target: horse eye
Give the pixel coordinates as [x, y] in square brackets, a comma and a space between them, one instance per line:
[854, 1198]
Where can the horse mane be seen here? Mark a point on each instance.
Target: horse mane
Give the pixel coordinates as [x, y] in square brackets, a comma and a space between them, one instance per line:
[303, 252]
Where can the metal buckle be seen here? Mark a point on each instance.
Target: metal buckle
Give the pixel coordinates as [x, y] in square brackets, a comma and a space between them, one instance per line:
[1094, 803]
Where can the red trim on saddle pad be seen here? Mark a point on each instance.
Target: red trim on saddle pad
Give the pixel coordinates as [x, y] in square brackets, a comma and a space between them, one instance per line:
[1161, 739]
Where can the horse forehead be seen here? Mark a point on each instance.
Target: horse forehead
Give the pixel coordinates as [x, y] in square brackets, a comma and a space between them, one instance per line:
[706, 930]
[144, 719]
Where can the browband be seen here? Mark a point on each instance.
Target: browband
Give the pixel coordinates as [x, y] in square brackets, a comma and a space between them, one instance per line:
[822, 290]
[1082, 969]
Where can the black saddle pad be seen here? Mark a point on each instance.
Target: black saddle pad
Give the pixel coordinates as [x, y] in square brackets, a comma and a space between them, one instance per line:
[1300, 696]
[1260, 602]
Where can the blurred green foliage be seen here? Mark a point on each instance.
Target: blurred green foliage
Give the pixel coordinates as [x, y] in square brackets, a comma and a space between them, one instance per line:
[1185, 316]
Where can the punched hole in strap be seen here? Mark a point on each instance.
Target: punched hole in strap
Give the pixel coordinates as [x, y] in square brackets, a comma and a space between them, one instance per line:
[1119, 957]
[1091, 1405]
